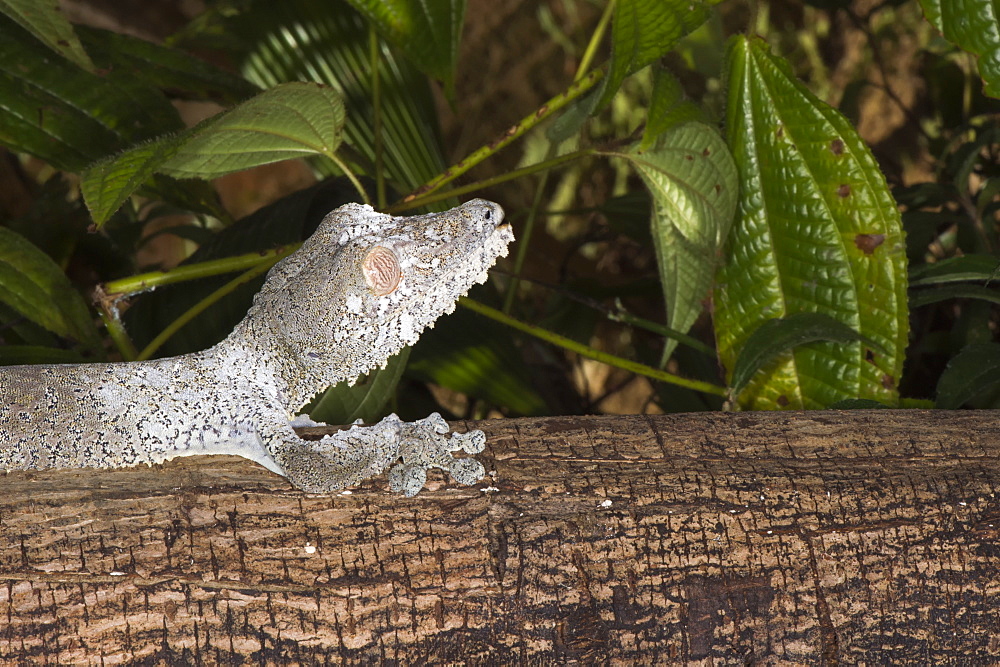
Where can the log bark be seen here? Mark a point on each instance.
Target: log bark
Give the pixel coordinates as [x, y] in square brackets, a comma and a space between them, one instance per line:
[780, 538]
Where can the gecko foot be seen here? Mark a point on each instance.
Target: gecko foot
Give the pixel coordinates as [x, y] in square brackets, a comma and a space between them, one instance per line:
[346, 457]
[423, 445]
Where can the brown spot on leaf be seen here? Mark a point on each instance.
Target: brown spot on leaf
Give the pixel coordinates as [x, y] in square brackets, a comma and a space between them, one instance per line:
[780, 132]
[844, 191]
[689, 157]
[888, 381]
[782, 400]
[718, 188]
[837, 146]
[869, 356]
[706, 153]
[867, 243]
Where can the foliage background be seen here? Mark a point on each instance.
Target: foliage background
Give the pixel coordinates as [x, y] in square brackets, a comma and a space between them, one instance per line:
[913, 97]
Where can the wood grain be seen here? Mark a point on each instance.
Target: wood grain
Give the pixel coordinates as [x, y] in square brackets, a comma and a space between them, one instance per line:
[782, 538]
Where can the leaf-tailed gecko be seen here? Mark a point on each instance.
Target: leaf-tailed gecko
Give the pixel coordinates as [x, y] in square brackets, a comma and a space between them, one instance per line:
[362, 287]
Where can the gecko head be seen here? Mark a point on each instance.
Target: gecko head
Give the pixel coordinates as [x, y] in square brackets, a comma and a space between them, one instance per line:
[367, 284]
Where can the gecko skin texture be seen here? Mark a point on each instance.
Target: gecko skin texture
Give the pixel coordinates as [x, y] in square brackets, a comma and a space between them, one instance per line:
[358, 290]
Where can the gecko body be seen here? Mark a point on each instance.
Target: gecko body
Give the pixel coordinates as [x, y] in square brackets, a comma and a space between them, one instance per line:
[362, 287]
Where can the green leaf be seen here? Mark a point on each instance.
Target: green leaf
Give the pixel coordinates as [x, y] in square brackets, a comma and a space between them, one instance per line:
[366, 400]
[972, 372]
[426, 31]
[15, 355]
[288, 121]
[968, 158]
[967, 268]
[289, 220]
[327, 42]
[52, 109]
[107, 184]
[568, 124]
[779, 335]
[816, 231]
[44, 20]
[642, 31]
[470, 354]
[667, 107]
[183, 75]
[35, 287]
[692, 179]
[922, 297]
[629, 214]
[973, 26]
[18, 330]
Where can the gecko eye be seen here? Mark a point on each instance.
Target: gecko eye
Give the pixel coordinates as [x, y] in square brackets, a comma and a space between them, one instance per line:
[382, 272]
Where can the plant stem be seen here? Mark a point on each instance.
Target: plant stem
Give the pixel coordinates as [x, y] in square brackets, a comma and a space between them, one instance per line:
[557, 103]
[119, 336]
[351, 177]
[619, 314]
[199, 307]
[591, 353]
[595, 40]
[377, 120]
[424, 200]
[524, 241]
[146, 281]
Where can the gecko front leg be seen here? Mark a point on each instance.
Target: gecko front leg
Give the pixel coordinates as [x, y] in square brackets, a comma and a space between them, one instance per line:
[347, 457]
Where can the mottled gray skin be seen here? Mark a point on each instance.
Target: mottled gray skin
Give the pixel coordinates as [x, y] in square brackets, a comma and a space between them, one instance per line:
[361, 288]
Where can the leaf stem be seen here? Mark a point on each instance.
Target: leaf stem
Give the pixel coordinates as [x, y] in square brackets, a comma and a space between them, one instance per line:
[202, 305]
[118, 335]
[351, 177]
[143, 282]
[591, 353]
[524, 241]
[377, 113]
[619, 314]
[595, 40]
[424, 200]
[557, 103]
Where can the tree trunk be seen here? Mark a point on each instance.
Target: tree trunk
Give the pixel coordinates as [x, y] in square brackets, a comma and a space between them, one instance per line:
[810, 537]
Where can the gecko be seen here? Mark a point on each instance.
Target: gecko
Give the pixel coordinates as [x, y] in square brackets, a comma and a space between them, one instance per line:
[357, 291]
